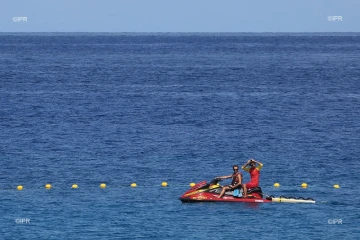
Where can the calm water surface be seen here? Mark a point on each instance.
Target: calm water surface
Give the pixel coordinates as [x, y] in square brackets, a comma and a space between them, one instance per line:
[181, 108]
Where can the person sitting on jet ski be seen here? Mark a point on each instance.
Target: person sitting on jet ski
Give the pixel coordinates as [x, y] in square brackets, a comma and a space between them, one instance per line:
[250, 166]
[236, 181]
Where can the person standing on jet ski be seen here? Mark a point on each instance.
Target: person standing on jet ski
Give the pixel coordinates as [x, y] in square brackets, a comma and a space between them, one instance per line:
[250, 166]
[236, 181]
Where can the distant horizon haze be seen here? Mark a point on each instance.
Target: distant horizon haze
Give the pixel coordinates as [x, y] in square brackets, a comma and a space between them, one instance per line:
[180, 16]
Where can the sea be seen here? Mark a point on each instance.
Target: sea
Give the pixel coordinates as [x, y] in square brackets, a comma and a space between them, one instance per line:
[147, 108]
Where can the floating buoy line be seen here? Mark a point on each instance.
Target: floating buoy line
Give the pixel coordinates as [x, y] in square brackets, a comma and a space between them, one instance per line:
[49, 186]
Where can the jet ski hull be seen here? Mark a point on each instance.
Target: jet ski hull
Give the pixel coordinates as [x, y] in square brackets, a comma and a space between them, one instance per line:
[209, 192]
[210, 197]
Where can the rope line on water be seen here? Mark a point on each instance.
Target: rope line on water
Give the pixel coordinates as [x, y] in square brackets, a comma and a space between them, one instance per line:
[49, 186]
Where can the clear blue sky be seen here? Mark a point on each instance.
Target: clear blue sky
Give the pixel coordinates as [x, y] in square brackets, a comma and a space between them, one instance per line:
[180, 15]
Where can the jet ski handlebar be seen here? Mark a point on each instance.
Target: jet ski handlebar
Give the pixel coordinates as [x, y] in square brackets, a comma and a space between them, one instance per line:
[215, 180]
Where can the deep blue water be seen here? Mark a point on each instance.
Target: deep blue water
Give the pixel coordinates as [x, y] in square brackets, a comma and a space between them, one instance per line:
[146, 108]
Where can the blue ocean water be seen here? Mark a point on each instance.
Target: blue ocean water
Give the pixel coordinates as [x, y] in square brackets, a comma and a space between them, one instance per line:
[89, 108]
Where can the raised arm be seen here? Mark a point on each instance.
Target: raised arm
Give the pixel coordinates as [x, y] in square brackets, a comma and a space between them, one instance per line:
[260, 165]
[244, 166]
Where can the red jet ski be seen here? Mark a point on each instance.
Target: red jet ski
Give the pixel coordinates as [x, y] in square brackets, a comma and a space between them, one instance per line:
[209, 192]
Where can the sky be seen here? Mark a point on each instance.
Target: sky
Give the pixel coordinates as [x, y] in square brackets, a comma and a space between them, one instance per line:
[180, 16]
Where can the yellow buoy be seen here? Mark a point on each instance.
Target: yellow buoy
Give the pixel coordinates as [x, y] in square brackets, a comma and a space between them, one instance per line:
[74, 186]
[164, 184]
[133, 185]
[276, 184]
[336, 186]
[48, 186]
[19, 187]
[102, 185]
[192, 184]
[304, 185]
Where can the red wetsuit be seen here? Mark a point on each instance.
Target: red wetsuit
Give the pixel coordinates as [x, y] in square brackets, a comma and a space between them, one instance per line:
[254, 175]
